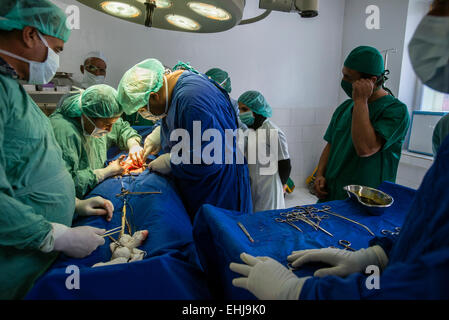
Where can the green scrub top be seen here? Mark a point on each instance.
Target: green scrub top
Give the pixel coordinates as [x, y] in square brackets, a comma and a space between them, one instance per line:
[35, 189]
[390, 120]
[83, 155]
[439, 133]
[136, 119]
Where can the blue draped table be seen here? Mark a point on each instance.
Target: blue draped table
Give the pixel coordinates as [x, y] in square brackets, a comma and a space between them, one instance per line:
[220, 240]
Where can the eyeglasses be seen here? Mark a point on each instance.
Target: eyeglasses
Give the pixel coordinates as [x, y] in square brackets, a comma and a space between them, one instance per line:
[94, 69]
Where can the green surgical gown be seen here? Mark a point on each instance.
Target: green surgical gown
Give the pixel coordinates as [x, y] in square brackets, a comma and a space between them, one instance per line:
[83, 155]
[439, 133]
[35, 189]
[390, 120]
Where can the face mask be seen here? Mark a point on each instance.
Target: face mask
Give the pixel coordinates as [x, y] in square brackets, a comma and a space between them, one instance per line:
[97, 133]
[347, 87]
[146, 114]
[40, 72]
[247, 118]
[90, 79]
[429, 52]
[224, 81]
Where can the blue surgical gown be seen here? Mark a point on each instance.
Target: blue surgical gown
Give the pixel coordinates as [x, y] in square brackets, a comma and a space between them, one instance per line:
[222, 184]
[418, 259]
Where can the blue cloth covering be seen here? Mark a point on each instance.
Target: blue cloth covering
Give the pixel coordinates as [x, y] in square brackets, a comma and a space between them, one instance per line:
[170, 270]
[220, 241]
[418, 259]
[197, 98]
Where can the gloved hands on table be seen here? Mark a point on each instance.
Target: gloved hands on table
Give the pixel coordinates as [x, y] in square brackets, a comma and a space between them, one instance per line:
[267, 279]
[96, 206]
[343, 262]
[77, 242]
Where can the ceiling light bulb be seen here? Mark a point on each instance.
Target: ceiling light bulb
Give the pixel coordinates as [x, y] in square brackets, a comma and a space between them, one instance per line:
[209, 11]
[183, 22]
[120, 9]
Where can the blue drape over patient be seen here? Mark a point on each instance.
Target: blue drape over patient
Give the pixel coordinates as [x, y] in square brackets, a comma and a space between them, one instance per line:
[197, 99]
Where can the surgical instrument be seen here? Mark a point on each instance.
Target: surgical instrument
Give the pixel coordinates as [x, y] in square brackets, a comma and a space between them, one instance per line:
[112, 231]
[326, 210]
[391, 233]
[289, 221]
[313, 224]
[245, 231]
[345, 244]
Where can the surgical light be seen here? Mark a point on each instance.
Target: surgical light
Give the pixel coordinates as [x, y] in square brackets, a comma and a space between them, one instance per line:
[160, 4]
[120, 9]
[209, 11]
[183, 22]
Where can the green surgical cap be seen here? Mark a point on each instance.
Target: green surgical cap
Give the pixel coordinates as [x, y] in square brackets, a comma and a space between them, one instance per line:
[40, 14]
[221, 77]
[99, 101]
[256, 102]
[366, 60]
[137, 84]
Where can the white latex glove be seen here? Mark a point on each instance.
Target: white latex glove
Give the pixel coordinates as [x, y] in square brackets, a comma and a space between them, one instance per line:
[135, 151]
[78, 242]
[343, 262]
[96, 206]
[267, 279]
[152, 143]
[114, 168]
[161, 164]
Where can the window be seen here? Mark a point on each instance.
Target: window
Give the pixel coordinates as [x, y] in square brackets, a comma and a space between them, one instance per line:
[434, 101]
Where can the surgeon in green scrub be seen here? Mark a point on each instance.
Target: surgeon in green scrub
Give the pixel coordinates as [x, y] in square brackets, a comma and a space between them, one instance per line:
[86, 126]
[439, 133]
[366, 132]
[37, 193]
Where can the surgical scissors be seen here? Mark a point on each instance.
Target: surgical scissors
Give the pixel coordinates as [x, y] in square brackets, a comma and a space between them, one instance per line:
[391, 233]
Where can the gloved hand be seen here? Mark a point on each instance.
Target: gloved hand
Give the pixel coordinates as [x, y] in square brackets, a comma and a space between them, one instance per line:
[78, 242]
[135, 152]
[113, 169]
[152, 143]
[96, 206]
[267, 279]
[161, 164]
[343, 262]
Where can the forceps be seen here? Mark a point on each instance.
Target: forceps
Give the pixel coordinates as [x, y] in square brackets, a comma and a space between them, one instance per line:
[289, 222]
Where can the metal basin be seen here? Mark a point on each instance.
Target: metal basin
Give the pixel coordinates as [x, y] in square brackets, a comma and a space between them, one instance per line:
[375, 201]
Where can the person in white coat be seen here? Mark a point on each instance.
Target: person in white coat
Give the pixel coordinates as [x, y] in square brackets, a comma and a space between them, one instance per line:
[267, 177]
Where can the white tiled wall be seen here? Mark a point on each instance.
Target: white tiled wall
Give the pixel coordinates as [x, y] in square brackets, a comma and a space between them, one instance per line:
[304, 128]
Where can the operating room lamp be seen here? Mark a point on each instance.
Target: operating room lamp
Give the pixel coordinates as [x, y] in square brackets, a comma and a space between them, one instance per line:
[200, 16]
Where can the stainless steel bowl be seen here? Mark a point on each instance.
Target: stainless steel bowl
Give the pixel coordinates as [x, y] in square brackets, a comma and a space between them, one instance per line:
[375, 201]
